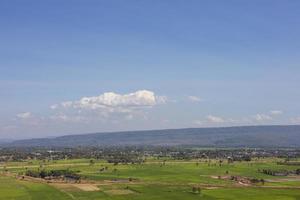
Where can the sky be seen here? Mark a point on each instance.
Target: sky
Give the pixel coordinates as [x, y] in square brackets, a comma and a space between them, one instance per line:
[82, 66]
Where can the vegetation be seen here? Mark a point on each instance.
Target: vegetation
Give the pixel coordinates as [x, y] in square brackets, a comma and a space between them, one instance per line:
[136, 173]
[62, 173]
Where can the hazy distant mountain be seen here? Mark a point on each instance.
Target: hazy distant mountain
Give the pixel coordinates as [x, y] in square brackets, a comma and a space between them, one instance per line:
[246, 136]
[5, 141]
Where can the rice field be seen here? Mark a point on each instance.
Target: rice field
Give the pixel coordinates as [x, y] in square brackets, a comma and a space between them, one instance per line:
[153, 179]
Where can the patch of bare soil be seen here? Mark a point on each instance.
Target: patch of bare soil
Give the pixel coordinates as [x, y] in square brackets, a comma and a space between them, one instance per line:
[241, 181]
[65, 187]
[86, 187]
[76, 187]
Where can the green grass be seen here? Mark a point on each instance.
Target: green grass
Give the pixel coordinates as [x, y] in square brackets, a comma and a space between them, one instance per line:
[11, 189]
[254, 193]
[171, 181]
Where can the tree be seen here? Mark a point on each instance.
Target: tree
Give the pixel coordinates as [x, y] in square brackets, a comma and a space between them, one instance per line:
[196, 190]
[92, 162]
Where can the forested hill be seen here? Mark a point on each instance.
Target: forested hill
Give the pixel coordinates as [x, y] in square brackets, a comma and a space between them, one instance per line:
[246, 136]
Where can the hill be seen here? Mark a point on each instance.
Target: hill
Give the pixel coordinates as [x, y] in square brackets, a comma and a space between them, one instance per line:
[244, 136]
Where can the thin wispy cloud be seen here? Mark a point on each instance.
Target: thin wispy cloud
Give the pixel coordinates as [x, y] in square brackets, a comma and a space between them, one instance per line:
[272, 115]
[210, 120]
[295, 120]
[215, 119]
[194, 99]
[276, 112]
[24, 115]
[259, 118]
[262, 117]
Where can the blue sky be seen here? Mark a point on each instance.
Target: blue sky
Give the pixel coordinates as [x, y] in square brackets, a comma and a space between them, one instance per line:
[167, 64]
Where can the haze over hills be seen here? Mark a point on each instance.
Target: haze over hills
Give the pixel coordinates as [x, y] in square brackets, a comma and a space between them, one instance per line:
[244, 136]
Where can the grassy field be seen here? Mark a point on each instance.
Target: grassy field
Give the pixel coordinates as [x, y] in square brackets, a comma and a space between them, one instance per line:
[151, 180]
[11, 188]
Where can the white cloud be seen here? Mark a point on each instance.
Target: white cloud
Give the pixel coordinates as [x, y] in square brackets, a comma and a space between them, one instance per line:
[276, 112]
[65, 118]
[295, 120]
[198, 122]
[215, 119]
[110, 104]
[194, 99]
[267, 117]
[67, 104]
[53, 107]
[141, 98]
[212, 120]
[24, 115]
[262, 117]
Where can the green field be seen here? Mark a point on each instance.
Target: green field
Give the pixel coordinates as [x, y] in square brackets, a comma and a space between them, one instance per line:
[151, 180]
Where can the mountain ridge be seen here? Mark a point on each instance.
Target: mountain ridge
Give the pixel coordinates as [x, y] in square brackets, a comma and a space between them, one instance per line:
[238, 136]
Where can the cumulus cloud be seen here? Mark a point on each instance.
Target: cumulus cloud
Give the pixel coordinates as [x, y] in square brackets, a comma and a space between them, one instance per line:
[111, 103]
[194, 99]
[141, 98]
[24, 115]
